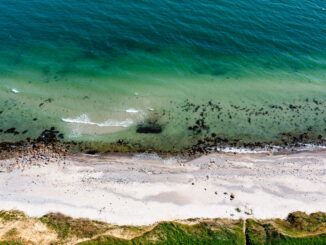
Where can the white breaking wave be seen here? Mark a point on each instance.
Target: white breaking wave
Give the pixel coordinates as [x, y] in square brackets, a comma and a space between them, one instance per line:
[242, 150]
[132, 110]
[150, 108]
[271, 149]
[84, 119]
[15, 91]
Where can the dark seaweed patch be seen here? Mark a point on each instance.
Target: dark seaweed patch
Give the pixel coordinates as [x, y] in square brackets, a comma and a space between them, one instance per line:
[25, 131]
[49, 100]
[149, 128]
[92, 152]
[11, 131]
[49, 136]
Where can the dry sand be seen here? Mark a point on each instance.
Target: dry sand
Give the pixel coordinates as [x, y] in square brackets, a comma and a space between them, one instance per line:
[142, 189]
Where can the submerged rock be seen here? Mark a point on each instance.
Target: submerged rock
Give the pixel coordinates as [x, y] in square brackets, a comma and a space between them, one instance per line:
[48, 136]
[149, 128]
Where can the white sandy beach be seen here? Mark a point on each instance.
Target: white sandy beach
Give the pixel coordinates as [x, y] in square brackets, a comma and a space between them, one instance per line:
[143, 189]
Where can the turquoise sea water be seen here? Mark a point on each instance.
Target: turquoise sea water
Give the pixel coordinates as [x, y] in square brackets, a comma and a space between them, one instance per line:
[247, 71]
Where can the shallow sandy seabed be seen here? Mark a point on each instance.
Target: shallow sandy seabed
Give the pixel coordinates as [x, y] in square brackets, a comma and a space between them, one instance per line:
[142, 189]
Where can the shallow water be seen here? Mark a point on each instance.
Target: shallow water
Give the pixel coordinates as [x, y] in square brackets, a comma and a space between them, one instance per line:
[249, 71]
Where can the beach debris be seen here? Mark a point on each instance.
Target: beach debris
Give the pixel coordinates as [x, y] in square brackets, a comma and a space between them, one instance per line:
[232, 196]
[248, 212]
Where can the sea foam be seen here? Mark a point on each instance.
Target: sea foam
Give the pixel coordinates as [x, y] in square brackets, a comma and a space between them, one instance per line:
[15, 91]
[132, 110]
[84, 119]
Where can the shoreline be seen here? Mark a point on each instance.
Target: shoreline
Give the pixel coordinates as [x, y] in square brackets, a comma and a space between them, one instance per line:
[140, 189]
[54, 140]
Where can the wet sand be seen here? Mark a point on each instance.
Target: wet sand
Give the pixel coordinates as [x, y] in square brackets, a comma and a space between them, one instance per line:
[142, 189]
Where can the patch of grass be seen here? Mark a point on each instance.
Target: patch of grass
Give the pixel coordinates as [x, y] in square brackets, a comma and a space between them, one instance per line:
[298, 228]
[11, 243]
[255, 233]
[309, 240]
[12, 233]
[175, 233]
[66, 226]
[276, 237]
[300, 223]
[11, 215]
[11, 237]
[107, 240]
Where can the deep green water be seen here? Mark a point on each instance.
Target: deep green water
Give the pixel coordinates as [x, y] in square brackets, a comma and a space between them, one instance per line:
[248, 70]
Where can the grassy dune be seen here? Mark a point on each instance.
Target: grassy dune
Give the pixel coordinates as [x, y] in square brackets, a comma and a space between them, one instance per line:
[55, 228]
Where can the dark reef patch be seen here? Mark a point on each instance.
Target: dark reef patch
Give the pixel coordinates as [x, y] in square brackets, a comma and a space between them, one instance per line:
[91, 152]
[49, 136]
[11, 131]
[149, 128]
[151, 125]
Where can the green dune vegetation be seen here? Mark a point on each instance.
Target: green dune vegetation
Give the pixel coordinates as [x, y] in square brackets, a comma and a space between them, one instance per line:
[55, 228]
